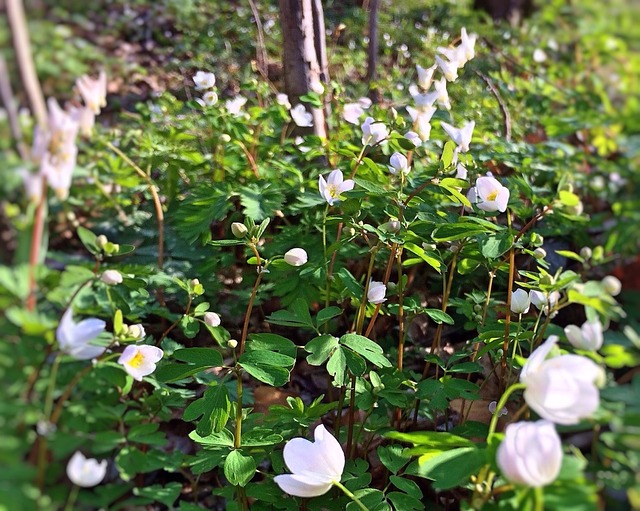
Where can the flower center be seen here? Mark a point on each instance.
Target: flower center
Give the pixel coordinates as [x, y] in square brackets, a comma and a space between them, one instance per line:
[492, 196]
[333, 191]
[137, 360]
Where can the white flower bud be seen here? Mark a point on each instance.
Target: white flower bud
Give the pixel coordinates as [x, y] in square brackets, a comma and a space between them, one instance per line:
[239, 230]
[101, 241]
[212, 319]
[111, 277]
[137, 331]
[232, 343]
[586, 253]
[612, 285]
[539, 253]
[296, 257]
[376, 292]
[520, 301]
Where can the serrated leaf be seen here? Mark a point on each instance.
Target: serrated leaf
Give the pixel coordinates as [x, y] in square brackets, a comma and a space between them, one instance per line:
[320, 348]
[238, 468]
[366, 348]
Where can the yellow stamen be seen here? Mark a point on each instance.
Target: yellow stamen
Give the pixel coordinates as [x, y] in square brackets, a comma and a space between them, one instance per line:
[137, 360]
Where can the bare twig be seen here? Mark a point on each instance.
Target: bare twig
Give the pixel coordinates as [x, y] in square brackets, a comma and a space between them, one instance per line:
[503, 106]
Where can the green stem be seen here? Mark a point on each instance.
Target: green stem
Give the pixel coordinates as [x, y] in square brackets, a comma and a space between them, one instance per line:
[73, 496]
[48, 404]
[326, 261]
[237, 442]
[503, 401]
[538, 498]
[350, 495]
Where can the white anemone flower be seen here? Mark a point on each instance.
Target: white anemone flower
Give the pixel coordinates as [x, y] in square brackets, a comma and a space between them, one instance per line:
[376, 292]
[467, 44]
[414, 138]
[85, 472]
[111, 277]
[204, 80]
[423, 101]
[461, 136]
[530, 453]
[93, 92]
[209, 98]
[352, 112]
[492, 196]
[587, 337]
[315, 466]
[421, 114]
[140, 361]
[563, 388]
[398, 163]
[373, 132]
[520, 301]
[75, 338]
[296, 256]
[334, 186]
[234, 106]
[425, 76]
[543, 301]
[301, 117]
[283, 100]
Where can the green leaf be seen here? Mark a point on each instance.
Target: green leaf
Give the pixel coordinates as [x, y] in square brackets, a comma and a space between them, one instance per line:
[366, 348]
[449, 469]
[495, 245]
[447, 154]
[437, 440]
[272, 342]
[298, 316]
[420, 252]
[147, 434]
[439, 316]
[267, 366]
[166, 495]
[222, 439]
[392, 457]
[238, 468]
[326, 314]
[88, 239]
[337, 367]
[320, 348]
[199, 359]
[456, 231]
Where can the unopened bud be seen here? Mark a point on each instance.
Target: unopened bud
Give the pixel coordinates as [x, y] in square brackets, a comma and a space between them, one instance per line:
[212, 319]
[392, 226]
[225, 138]
[296, 257]
[586, 253]
[612, 285]
[137, 331]
[101, 241]
[232, 343]
[239, 230]
[539, 253]
[111, 277]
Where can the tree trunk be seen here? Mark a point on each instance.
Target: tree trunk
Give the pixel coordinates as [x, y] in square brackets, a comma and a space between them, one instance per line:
[303, 51]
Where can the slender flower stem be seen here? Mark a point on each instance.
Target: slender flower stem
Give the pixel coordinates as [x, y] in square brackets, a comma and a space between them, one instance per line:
[327, 276]
[503, 401]
[507, 319]
[350, 495]
[39, 220]
[73, 496]
[237, 442]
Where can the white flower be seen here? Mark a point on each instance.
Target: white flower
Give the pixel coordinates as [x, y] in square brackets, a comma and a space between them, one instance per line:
[561, 389]
[423, 127]
[376, 292]
[414, 138]
[352, 112]
[296, 256]
[85, 472]
[449, 69]
[212, 319]
[283, 100]
[543, 302]
[494, 405]
[612, 285]
[139, 361]
[442, 95]
[75, 338]
[588, 337]
[93, 92]
[209, 98]
[461, 172]
[111, 277]
[492, 196]
[539, 55]
[530, 453]
[315, 466]
[301, 117]
[423, 101]
[461, 136]
[398, 163]
[365, 102]
[234, 105]
[425, 76]
[373, 132]
[85, 118]
[317, 87]
[136, 331]
[32, 184]
[334, 186]
[299, 141]
[204, 80]
[520, 301]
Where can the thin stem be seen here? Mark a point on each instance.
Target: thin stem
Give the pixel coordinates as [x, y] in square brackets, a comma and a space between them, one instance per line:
[350, 495]
[352, 412]
[73, 496]
[36, 244]
[501, 404]
[237, 442]
[326, 262]
[507, 320]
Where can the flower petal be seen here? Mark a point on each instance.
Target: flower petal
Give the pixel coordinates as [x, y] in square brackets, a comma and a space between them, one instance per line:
[301, 486]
